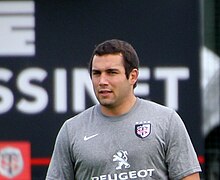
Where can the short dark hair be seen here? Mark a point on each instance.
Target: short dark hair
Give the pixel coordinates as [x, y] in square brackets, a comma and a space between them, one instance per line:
[115, 46]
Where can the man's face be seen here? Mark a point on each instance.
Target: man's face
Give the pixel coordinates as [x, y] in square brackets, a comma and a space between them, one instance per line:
[110, 84]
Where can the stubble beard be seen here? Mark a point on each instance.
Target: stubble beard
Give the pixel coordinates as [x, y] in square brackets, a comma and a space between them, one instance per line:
[106, 102]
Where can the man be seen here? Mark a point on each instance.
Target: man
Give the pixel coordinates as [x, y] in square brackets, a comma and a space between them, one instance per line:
[122, 137]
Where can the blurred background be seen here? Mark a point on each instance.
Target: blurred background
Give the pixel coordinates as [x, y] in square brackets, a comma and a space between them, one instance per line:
[45, 47]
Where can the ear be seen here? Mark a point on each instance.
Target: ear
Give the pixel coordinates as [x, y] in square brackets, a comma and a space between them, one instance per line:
[133, 76]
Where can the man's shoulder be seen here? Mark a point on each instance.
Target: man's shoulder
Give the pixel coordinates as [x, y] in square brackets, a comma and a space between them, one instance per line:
[82, 116]
[153, 105]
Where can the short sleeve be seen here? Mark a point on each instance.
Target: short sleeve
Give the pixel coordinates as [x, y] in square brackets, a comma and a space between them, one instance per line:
[181, 157]
[61, 165]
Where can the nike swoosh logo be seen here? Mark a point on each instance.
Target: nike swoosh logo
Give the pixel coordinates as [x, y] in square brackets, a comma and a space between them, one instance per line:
[90, 137]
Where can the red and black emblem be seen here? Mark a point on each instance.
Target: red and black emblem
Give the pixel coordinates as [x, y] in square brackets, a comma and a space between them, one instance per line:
[143, 129]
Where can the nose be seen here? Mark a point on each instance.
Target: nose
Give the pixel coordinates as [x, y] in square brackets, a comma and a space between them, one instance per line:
[103, 79]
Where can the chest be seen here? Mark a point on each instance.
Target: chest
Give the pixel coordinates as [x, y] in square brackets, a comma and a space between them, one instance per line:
[119, 145]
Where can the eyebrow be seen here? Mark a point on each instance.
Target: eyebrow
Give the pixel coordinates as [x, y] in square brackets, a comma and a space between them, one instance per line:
[110, 69]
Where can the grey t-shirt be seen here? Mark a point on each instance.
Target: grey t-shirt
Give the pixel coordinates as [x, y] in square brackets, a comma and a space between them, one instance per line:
[148, 142]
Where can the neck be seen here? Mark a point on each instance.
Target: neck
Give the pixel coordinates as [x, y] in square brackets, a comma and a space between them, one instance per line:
[121, 109]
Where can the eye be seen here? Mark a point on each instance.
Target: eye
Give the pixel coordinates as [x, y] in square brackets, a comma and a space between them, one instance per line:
[95, 73]
[112, 72]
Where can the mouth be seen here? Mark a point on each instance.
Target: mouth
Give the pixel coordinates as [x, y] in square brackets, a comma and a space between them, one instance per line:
[104, 92]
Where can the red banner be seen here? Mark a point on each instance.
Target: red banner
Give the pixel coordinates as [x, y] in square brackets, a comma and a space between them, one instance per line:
[15, 160]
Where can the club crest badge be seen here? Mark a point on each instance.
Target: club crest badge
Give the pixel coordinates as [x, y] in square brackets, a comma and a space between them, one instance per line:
[11, 162]
[143, 129]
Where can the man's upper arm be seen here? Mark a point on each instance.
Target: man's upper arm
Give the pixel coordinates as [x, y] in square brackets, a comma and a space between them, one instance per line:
[180, 155]
[194, 176]
[61, 166]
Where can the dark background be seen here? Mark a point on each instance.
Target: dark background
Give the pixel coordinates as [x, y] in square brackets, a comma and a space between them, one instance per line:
[164, 33]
